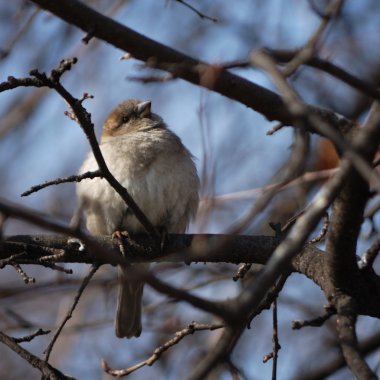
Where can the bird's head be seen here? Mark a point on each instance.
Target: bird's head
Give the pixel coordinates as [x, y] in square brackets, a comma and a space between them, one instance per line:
[130, 116]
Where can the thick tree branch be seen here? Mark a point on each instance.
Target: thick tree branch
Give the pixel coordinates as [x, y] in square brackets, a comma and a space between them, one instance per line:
[140, 248]
[348, 210]
[178, 64]
[341, 264]
[26, 249]
[346, 329]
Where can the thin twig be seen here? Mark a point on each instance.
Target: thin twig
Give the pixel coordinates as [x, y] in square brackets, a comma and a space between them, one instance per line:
[306, 53]
[71, 178]
[291, 221]
[241, 272]
[255, 192]
[324, 230]
[330, 68]
[285, 174]
[221, 309]
[316, 62]
[236, 373]
[220, 353]
[315, 322]
[276, 345]
[200, 14]
[69, 314]
[269, 298]
[30, 337]
[370, 255]
[275, 129]
[157, 353]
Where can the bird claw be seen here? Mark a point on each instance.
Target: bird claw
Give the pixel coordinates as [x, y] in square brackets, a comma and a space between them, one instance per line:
[163, 233]
[75, 241]
[119, 236]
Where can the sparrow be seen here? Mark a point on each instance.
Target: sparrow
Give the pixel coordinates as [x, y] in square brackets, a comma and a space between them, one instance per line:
[151, 162]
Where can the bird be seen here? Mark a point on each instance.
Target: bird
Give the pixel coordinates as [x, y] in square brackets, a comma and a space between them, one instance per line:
[158, 171]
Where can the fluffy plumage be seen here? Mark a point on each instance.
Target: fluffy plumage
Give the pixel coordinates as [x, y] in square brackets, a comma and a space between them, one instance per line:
[151, 162]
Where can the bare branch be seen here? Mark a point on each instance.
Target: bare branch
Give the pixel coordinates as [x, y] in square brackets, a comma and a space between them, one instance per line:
[305, 54]
[323, 232]
[200, 14]
[30, 337]
[69, 314]
[310, 121]
[315, 322]
[329, 68]
[276, 345]
[180, 65]
[242, 271]
[45, 368]
[224, 310]
[346, 330]
[158, 352]
[71, 178]
[370, 255]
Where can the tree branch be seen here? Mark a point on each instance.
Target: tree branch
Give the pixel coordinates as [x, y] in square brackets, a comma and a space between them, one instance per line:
[366, 347]
[346, 329]
[159, 351]
[26, 249]
[180, 65]
[47, 371]
[23, 249]
[330, 68]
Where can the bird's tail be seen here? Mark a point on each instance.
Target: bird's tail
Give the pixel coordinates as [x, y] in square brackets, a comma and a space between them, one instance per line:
[128, 313]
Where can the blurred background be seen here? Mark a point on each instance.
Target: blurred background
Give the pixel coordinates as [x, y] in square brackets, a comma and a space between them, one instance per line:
[232, 153]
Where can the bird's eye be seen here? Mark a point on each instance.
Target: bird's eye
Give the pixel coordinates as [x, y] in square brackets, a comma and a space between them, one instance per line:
[125, 119]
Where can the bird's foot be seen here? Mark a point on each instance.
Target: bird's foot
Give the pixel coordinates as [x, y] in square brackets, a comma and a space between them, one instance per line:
[163, 232]
[119, 236]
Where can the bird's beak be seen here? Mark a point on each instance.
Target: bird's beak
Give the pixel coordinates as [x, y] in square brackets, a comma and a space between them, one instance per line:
[143, 109]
